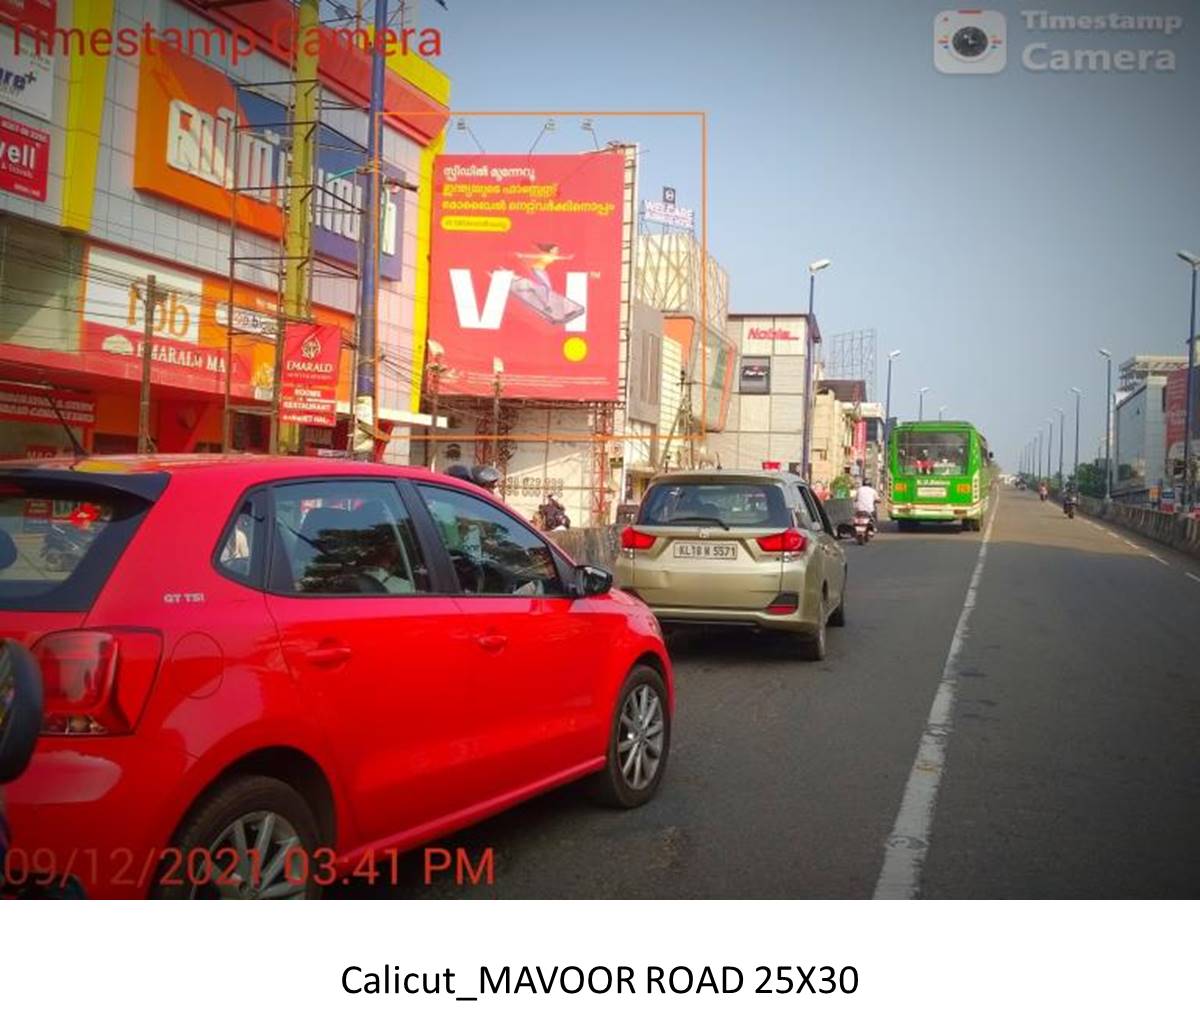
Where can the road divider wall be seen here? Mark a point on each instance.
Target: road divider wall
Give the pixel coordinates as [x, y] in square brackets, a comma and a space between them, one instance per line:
[1173, 530]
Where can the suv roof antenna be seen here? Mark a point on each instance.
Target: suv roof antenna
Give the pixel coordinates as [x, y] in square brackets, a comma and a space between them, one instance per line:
[76, 446]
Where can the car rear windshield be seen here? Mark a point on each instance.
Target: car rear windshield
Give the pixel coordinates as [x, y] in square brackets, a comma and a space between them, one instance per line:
[60, 541]
[732, 505]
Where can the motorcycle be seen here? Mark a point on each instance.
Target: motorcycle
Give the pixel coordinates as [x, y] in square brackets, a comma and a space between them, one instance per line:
[1042, 492]
[864, 528]
[1069, 505]
[63, 547]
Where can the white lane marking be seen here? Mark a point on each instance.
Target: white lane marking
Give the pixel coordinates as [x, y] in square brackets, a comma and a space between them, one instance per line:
[905, 850]
[1194, 578]
[1133, 545]
[1155, 557]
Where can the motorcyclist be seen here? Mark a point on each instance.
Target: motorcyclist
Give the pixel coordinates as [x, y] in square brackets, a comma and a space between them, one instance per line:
[1042, 490]
[865, 500]
[553, 514]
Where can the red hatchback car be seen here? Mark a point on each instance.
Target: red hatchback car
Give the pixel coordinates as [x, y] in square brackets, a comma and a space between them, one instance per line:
[250, 661]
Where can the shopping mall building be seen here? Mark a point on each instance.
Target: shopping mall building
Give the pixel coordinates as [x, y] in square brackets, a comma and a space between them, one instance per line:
[116, 168]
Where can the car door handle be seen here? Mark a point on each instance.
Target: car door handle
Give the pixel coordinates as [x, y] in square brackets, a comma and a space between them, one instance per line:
[492, 641]
[329, 655]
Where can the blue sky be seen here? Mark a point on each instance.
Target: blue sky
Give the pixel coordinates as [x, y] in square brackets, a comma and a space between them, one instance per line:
[995, 228]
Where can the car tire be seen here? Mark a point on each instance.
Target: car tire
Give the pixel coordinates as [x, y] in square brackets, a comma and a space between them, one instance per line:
[208, 830]
[813, 648]
[838, 618]
[641, 706]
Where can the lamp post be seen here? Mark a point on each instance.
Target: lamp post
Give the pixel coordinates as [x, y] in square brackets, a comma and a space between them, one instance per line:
[1194, 262]
[1107, 355]
[1041, 436]
[921, 402]
[887, 405]
[1062, 435]
[1078, 394]
[1050, 448]
[806, 441]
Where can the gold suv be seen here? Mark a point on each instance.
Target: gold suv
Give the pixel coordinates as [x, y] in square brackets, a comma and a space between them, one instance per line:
[736, 548]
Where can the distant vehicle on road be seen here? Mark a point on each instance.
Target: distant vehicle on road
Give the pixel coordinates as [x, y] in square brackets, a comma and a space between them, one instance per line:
[265, 675]
[939, 472]
[736, 548]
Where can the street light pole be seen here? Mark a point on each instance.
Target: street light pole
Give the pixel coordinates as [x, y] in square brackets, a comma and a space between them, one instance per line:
[1041, 436]
[1107, 355]
[1194, 261]
[806, 439]
[921, 403]
[1050, 448]
[1078, 393]
[1062, 435]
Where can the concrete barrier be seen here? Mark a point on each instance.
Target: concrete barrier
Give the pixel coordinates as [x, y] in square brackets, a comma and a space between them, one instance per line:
[1173, 530]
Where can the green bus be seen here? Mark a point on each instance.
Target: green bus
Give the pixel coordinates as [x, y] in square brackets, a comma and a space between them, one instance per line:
[938, 472]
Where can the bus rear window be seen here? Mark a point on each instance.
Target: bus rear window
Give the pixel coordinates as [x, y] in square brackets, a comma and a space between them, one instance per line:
[933, 453]
[59, 545]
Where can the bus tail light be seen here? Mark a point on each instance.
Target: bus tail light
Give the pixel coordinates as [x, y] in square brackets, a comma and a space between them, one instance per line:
[963, 487]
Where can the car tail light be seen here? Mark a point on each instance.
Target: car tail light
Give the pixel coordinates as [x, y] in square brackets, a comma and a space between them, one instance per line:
[784, 604]
[631, 539]
[790, 541]
[96, 683]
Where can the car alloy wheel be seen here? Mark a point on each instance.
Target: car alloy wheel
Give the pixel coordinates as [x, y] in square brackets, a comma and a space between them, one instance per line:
[642, 728]
[256, 853]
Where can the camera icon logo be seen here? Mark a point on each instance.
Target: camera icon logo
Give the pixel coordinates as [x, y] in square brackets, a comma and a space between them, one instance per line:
[971, 42]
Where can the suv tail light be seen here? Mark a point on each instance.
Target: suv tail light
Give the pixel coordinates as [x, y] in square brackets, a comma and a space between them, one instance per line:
[790, 541]
[96, 683]
[631, 539]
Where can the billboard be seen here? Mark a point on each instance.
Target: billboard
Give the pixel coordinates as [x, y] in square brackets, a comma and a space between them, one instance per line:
[1177, 412]
[37, 16]
[191, 327]
[24, 159]
[26, 77]
[525, 266]
[308, 382]
[185, 152]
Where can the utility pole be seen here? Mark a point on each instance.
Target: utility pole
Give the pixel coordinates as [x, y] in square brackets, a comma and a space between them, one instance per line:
[151, 299]
[298, 215]
[1108, 397]
[366, 384]
[434, 370]
[497, 388]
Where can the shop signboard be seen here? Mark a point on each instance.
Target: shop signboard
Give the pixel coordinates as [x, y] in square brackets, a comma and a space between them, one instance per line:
[28, 404]
[308, 385]
[669, 215]
[187, 150]
[860, 441]
[526, 267]
[36, 16]
[24, 159]
[26, 77]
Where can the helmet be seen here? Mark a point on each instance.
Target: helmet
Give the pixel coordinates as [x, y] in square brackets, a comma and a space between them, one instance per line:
[485, 476]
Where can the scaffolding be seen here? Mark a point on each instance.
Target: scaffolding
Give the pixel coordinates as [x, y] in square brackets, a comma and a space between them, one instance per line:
[852, 355]
[265, 263]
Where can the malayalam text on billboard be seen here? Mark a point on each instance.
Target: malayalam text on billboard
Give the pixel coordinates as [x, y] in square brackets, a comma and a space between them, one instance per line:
[526, 268]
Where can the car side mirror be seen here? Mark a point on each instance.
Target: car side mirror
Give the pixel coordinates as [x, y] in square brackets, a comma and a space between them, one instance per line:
[591, 581]
[20, 708]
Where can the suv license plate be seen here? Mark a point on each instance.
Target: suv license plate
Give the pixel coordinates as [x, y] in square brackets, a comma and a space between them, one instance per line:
[719, 551]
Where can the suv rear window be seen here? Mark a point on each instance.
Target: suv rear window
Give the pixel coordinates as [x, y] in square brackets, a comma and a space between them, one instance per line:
[59, 542]
[734, 505]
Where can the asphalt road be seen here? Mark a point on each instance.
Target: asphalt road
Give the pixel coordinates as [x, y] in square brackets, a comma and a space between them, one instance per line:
[1072, 768]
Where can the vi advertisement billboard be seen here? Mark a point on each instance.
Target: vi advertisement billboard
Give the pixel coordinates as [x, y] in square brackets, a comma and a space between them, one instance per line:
[525, 266]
